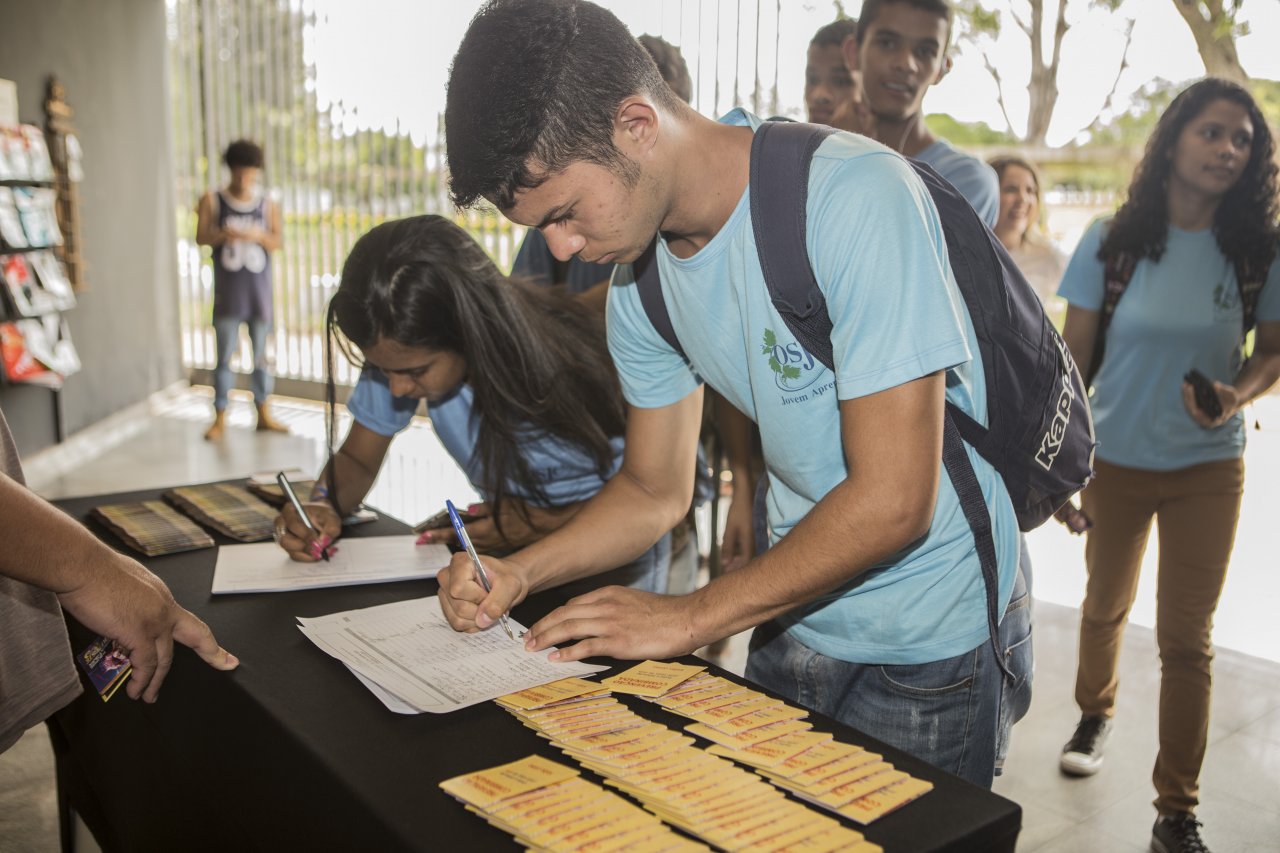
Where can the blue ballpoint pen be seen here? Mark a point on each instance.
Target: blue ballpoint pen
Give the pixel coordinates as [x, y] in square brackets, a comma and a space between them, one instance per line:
[287, 488]
[481, 575]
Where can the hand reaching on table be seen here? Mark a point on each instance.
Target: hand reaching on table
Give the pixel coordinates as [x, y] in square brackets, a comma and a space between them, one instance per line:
[124, 601]
[619, 622]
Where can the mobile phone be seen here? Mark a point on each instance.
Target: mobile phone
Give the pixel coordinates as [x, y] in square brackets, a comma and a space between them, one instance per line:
[441, 519]
[1206, 397]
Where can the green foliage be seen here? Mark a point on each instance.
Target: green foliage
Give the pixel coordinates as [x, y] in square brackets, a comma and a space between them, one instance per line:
[1134, 126]
[1267, 94]
[964, 133]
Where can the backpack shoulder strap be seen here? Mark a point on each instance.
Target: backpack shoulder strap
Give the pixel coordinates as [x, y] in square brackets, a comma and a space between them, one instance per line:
[780, 156]
[1119, 270]
[649, 288]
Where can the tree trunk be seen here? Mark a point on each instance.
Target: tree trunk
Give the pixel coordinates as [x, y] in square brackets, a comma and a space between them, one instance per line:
[1042, 88]
[1211, 26]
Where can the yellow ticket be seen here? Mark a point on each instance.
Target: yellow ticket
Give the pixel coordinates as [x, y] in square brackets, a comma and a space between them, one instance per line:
[568, 710]
[638, 751]
[651, 678]
[732, 695]
[759, 717]
[585, 722]
[771, 753]
[745, 828]
[880, 803]
[713, 686]
[745, 705]
[814, 775]
[747, 738]
[838, 838]
[821, 754]
[861, 788]
[547, 694]
[599, 728]
[848, 776]
[629, 822]
[592, 742]
[485, 787]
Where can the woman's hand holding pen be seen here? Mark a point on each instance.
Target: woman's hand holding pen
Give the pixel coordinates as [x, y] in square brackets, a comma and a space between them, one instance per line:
[301, 544]
[464, 601]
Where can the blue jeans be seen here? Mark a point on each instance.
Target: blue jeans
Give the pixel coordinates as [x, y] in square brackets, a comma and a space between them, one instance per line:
[953, 713]
[226, 331]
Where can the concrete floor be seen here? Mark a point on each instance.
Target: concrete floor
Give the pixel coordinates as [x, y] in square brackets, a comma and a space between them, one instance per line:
[159, 444]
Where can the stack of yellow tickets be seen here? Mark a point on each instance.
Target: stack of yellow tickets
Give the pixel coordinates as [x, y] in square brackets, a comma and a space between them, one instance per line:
[548, 806]
[773, 737]
[687, 787]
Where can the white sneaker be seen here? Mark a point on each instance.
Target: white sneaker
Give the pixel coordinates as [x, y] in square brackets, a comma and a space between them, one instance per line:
[1082, 755]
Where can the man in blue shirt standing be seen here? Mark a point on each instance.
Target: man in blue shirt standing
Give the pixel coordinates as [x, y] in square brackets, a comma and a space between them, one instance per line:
[900, 50]
[870, 601]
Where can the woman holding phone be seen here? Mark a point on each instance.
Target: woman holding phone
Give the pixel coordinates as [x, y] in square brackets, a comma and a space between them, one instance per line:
[1191, 251]
[517, 380]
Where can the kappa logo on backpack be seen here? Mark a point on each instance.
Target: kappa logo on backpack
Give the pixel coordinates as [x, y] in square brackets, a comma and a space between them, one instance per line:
[1039, 433]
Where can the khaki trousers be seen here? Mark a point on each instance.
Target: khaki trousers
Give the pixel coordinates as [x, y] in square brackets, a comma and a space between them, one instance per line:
[1196, 510]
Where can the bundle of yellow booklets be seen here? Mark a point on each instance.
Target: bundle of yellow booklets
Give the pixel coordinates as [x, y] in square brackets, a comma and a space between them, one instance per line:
[548, 806]
[687, 787]
[774, 738]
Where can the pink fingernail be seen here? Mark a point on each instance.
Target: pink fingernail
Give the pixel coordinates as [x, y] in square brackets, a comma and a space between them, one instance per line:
[475, 507]
[424, 538]
[314, 550]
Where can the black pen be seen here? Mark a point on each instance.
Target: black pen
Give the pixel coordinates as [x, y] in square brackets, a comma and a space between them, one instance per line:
[297, 505]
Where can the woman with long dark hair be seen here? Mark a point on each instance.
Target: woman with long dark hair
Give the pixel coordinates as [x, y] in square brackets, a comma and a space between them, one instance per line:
[1160, 298]
[517, 379]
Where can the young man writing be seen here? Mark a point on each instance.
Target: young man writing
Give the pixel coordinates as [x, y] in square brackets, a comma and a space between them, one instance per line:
[900, 50]
[870, 598]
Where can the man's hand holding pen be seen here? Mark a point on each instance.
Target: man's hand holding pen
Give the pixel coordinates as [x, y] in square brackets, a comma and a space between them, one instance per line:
[463, 599]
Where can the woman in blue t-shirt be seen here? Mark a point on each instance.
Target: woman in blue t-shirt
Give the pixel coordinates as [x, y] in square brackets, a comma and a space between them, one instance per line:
[517, 379]
[1200, 217]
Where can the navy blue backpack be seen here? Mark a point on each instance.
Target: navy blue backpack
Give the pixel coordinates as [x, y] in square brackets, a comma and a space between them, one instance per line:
[1039, 433]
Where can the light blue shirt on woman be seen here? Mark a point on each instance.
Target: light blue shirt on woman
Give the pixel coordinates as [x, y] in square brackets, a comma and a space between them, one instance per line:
[1178, 313]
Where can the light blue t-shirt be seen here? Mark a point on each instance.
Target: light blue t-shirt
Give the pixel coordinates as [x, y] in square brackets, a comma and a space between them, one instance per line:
[566, 474]
[877, 249]
[1181, 312]
[975, 180]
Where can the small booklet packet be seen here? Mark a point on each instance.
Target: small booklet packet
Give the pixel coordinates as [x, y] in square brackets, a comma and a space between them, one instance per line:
[106, 665]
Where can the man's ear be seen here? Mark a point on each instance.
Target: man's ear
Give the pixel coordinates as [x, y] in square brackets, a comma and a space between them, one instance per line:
[635, 124]
[849, 47]
[944, 70]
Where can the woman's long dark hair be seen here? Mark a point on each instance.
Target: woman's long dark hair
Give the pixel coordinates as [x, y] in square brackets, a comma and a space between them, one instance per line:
[536, 357]
[1245, 222]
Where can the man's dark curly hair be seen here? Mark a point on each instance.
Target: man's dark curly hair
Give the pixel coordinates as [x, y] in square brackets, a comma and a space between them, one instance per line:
[242, 154]
[535, 86]
[1245, 223]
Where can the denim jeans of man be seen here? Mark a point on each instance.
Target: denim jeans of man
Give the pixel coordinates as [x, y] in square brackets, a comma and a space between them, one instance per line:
[954, 713]
[226, 332]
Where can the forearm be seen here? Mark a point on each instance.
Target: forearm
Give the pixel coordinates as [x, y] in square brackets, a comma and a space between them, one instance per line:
[1258, 375]
[352, 478]
[30, 554]
[847, 532]
[615, 527]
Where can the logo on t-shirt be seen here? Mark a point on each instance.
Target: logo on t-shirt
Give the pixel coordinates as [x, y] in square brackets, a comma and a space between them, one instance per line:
[1226, 302]
[793, 368]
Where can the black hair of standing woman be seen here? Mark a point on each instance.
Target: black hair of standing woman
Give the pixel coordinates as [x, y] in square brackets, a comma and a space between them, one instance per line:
[1245, 224]
[536, 359]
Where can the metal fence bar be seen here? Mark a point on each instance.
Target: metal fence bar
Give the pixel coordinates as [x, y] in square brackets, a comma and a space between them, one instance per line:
[248, 68]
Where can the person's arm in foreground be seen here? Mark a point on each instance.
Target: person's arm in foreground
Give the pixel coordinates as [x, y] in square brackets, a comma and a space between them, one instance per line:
[105, 591]
[1257, 376]
[355, 467]
[893, 447]
[646, 498]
